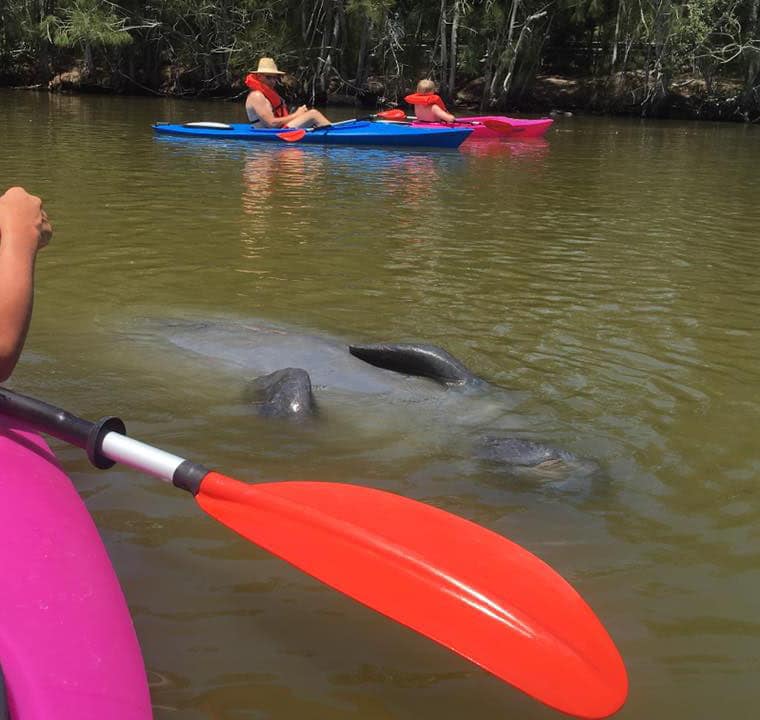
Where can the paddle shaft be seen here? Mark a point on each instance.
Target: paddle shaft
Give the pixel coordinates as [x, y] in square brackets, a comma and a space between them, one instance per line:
[104, 441]
[296, 134]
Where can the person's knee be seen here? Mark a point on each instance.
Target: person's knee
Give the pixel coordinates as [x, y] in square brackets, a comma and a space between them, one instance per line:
[318, 117]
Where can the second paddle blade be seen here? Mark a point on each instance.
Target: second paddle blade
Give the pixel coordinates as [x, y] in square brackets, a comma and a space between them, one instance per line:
[396, 114]
[465, 587]
[292, 135]
[502, 127]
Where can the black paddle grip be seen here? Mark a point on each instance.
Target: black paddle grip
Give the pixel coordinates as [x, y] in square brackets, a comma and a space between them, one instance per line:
[46, 418]
[62, 425]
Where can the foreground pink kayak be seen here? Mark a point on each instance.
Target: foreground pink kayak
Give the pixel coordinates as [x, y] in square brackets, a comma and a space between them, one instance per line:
[513, 128]
[68, 648]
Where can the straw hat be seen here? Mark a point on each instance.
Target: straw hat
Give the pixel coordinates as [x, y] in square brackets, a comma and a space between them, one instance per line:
[267, 66]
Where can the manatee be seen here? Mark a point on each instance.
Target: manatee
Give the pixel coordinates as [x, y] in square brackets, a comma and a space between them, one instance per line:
[283, 393]
[407, 393]
[520, 453]
[260, 348]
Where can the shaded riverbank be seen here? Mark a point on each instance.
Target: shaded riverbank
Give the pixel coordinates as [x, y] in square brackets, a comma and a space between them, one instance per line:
[622, 94]
[651, 59]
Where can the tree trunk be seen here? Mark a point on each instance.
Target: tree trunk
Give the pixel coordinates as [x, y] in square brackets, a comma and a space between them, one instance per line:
[44, 50]
[751, 95]
[325, 47]
[442, 30]
[361, 60]
[453, 54]
[506, 60]
[88, 64]
[487, 76]
[615, 38]
[524, 32]
[662, 74]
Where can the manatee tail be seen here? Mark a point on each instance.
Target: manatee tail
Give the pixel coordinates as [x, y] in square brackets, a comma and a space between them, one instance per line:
[417, 359]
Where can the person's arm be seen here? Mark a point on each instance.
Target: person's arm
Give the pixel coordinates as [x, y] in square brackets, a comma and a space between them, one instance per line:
[263, 109]
[442, 115]
[24, 229]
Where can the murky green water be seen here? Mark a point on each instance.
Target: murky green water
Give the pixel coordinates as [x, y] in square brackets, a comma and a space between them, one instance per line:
[610, 276]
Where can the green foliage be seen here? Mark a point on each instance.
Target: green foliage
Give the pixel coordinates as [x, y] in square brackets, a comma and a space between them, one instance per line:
[348, 46]
[86, 22]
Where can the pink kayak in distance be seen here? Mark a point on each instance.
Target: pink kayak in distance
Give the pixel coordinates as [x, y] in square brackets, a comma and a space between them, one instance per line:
[492, 127]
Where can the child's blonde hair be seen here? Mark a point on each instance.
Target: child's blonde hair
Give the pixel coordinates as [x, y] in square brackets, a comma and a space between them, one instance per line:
[426, 86]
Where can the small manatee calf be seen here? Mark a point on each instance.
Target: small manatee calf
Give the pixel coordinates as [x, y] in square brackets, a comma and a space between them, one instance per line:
[542, 460]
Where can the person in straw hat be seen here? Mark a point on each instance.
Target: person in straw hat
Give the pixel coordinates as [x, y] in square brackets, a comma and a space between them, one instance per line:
[267, 109]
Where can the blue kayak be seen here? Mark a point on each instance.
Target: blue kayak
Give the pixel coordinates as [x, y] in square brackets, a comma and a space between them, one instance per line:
[355, 132]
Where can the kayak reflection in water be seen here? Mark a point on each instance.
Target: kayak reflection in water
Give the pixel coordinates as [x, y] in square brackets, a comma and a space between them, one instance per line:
[265, 107]
[275, 191]
[24, 229]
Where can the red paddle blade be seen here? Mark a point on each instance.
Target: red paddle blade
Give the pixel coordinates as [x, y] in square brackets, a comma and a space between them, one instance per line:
[465, 587]
[292, 135]
[502, 127]
[396, 114]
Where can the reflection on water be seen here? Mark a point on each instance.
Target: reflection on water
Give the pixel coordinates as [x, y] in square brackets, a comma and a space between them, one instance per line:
[276, 172]
[607, 277]
[288, 187]
[530, 149]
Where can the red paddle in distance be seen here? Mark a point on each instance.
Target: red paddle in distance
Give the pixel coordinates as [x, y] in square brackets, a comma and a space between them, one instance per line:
[468, 588]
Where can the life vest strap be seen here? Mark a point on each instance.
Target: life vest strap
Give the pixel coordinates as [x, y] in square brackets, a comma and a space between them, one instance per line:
[279, 108]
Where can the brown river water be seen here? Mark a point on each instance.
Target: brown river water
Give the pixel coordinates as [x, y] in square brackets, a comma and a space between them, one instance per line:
[608, 277]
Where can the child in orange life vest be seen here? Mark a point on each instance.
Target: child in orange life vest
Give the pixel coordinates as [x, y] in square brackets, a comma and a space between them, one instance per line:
[428, 107]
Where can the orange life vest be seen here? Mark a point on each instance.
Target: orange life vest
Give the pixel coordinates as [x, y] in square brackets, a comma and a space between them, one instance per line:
[425, 99]
[279, 108]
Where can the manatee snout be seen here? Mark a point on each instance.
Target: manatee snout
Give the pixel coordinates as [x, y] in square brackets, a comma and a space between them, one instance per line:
[284, 393]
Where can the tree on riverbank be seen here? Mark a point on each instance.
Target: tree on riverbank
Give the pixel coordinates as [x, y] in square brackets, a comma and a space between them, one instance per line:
[639, 56]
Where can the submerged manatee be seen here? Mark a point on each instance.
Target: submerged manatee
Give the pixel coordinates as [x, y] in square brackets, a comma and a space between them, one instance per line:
[421, 381]
[542, 460]
[261, 348]
[517, 451]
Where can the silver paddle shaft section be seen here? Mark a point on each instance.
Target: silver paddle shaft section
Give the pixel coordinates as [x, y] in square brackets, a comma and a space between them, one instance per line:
[141, 456]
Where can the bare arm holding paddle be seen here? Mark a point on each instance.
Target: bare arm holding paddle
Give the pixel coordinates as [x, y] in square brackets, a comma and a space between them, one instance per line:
[262, 110]
[24, 229]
